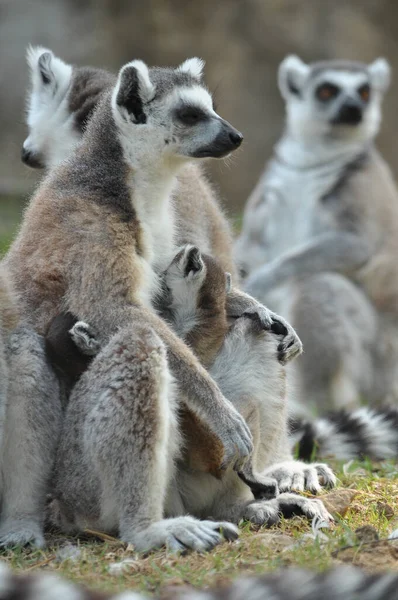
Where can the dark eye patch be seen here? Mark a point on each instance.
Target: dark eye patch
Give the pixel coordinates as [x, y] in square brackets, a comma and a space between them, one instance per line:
[364, 92]
[326, 91]
[191, 115]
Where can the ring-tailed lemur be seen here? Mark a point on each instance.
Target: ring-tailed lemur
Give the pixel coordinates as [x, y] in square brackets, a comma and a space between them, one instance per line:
[195, 289]
[340, 583]
[102, 223]
[319, 239]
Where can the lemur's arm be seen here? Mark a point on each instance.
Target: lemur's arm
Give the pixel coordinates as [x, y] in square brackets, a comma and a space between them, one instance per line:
[103, 292]
[239, 303]
[333, 251]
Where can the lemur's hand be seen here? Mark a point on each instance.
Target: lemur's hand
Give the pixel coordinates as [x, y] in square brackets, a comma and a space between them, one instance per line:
[240, 304]
[235, 435]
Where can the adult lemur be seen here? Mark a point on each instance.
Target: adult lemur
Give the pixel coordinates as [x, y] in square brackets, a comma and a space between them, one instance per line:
[239, 356]
[94, 237]
[319, 240]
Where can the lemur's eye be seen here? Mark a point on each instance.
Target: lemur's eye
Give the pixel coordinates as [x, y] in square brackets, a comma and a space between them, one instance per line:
[327, 91]
[364, 92]
[191, 115]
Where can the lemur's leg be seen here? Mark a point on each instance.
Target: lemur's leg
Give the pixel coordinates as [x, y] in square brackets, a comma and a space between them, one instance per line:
[33, 421]
[119, 444]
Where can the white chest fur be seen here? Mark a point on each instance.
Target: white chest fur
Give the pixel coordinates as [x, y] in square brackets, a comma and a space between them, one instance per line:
[155, 213]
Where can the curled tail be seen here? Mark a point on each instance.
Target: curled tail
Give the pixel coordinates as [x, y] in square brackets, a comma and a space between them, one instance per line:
[341, 583]
[346, 435]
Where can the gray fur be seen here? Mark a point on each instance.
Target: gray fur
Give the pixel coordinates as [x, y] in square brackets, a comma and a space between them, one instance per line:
[310, 244]
[33, 419]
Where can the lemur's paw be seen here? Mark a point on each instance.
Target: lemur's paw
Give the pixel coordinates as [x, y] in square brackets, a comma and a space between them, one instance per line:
[235, 436]
[290, 345]
[262, 512]
[290, 505]
[83, 336]
[298, 476]
[20, 533]
[182, 534]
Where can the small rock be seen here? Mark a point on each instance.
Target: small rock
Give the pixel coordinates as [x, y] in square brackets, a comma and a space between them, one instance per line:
[385, 510]
[276, 541]
[367, 534]
[338, 502]
[122, 566]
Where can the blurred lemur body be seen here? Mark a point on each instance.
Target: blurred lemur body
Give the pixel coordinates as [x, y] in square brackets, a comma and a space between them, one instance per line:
[320, 235]
[94, 240]
[239, 356]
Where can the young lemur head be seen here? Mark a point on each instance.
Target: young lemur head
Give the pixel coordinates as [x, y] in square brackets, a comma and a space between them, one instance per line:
[194, 286]
[167, 114]
[60, 101]
[333, 99]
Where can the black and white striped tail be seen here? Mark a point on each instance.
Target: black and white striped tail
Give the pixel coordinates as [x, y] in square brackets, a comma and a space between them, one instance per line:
[341, 583]
[345, 435]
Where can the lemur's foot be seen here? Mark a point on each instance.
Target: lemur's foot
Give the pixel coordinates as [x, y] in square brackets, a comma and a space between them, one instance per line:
[298, 476]
[269, 512]
[20, 533]
[181, 534]
[84, 337]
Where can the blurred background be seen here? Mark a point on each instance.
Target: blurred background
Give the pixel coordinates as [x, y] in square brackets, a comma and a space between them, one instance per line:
[242, 41]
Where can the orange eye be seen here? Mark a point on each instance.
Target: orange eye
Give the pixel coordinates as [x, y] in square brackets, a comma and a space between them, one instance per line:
[326, 92]
[364, 92]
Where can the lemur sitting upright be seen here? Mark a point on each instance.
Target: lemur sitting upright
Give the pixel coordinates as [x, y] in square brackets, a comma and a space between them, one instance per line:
[320, 234]
[236, 352]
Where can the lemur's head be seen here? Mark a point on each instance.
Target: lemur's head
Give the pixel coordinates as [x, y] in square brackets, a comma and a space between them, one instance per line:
[194, 280]
[60, 101]
[171, 113]
[335, 99]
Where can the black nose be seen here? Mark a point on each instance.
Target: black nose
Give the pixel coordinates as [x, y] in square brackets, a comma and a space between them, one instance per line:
[236, 138]
[349, 114]
[31, 159]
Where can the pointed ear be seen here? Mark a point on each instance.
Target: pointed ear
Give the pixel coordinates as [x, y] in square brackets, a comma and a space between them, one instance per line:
[49, 73]
[380, 74]
[191, 262]
[228, 282]
[292, 75]
[193, 66]
[133, 90]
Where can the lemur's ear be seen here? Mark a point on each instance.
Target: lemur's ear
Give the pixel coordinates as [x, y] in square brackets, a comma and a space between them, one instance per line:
[193, 66]
[134, 89]
[292, 75]
[228, 282]
[380, 74]
[191, 263]
[49, 74]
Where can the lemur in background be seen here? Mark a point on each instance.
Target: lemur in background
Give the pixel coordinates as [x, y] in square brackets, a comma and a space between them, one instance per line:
[340, 583]
[193, 301]
[320, 235]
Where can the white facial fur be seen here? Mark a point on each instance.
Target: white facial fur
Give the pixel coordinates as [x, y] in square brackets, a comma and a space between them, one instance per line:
[308, 119]
[51, 130]
[166, 116]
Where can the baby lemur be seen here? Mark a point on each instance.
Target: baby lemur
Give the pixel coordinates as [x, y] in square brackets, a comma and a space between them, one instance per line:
[194, 293]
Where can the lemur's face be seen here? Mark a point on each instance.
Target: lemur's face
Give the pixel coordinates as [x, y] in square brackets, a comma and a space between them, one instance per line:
[333, 99]
[190, 275]
[171, 112]
[52, 132]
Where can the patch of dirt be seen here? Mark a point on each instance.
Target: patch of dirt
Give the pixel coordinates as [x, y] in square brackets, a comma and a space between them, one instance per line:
[372, 557]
